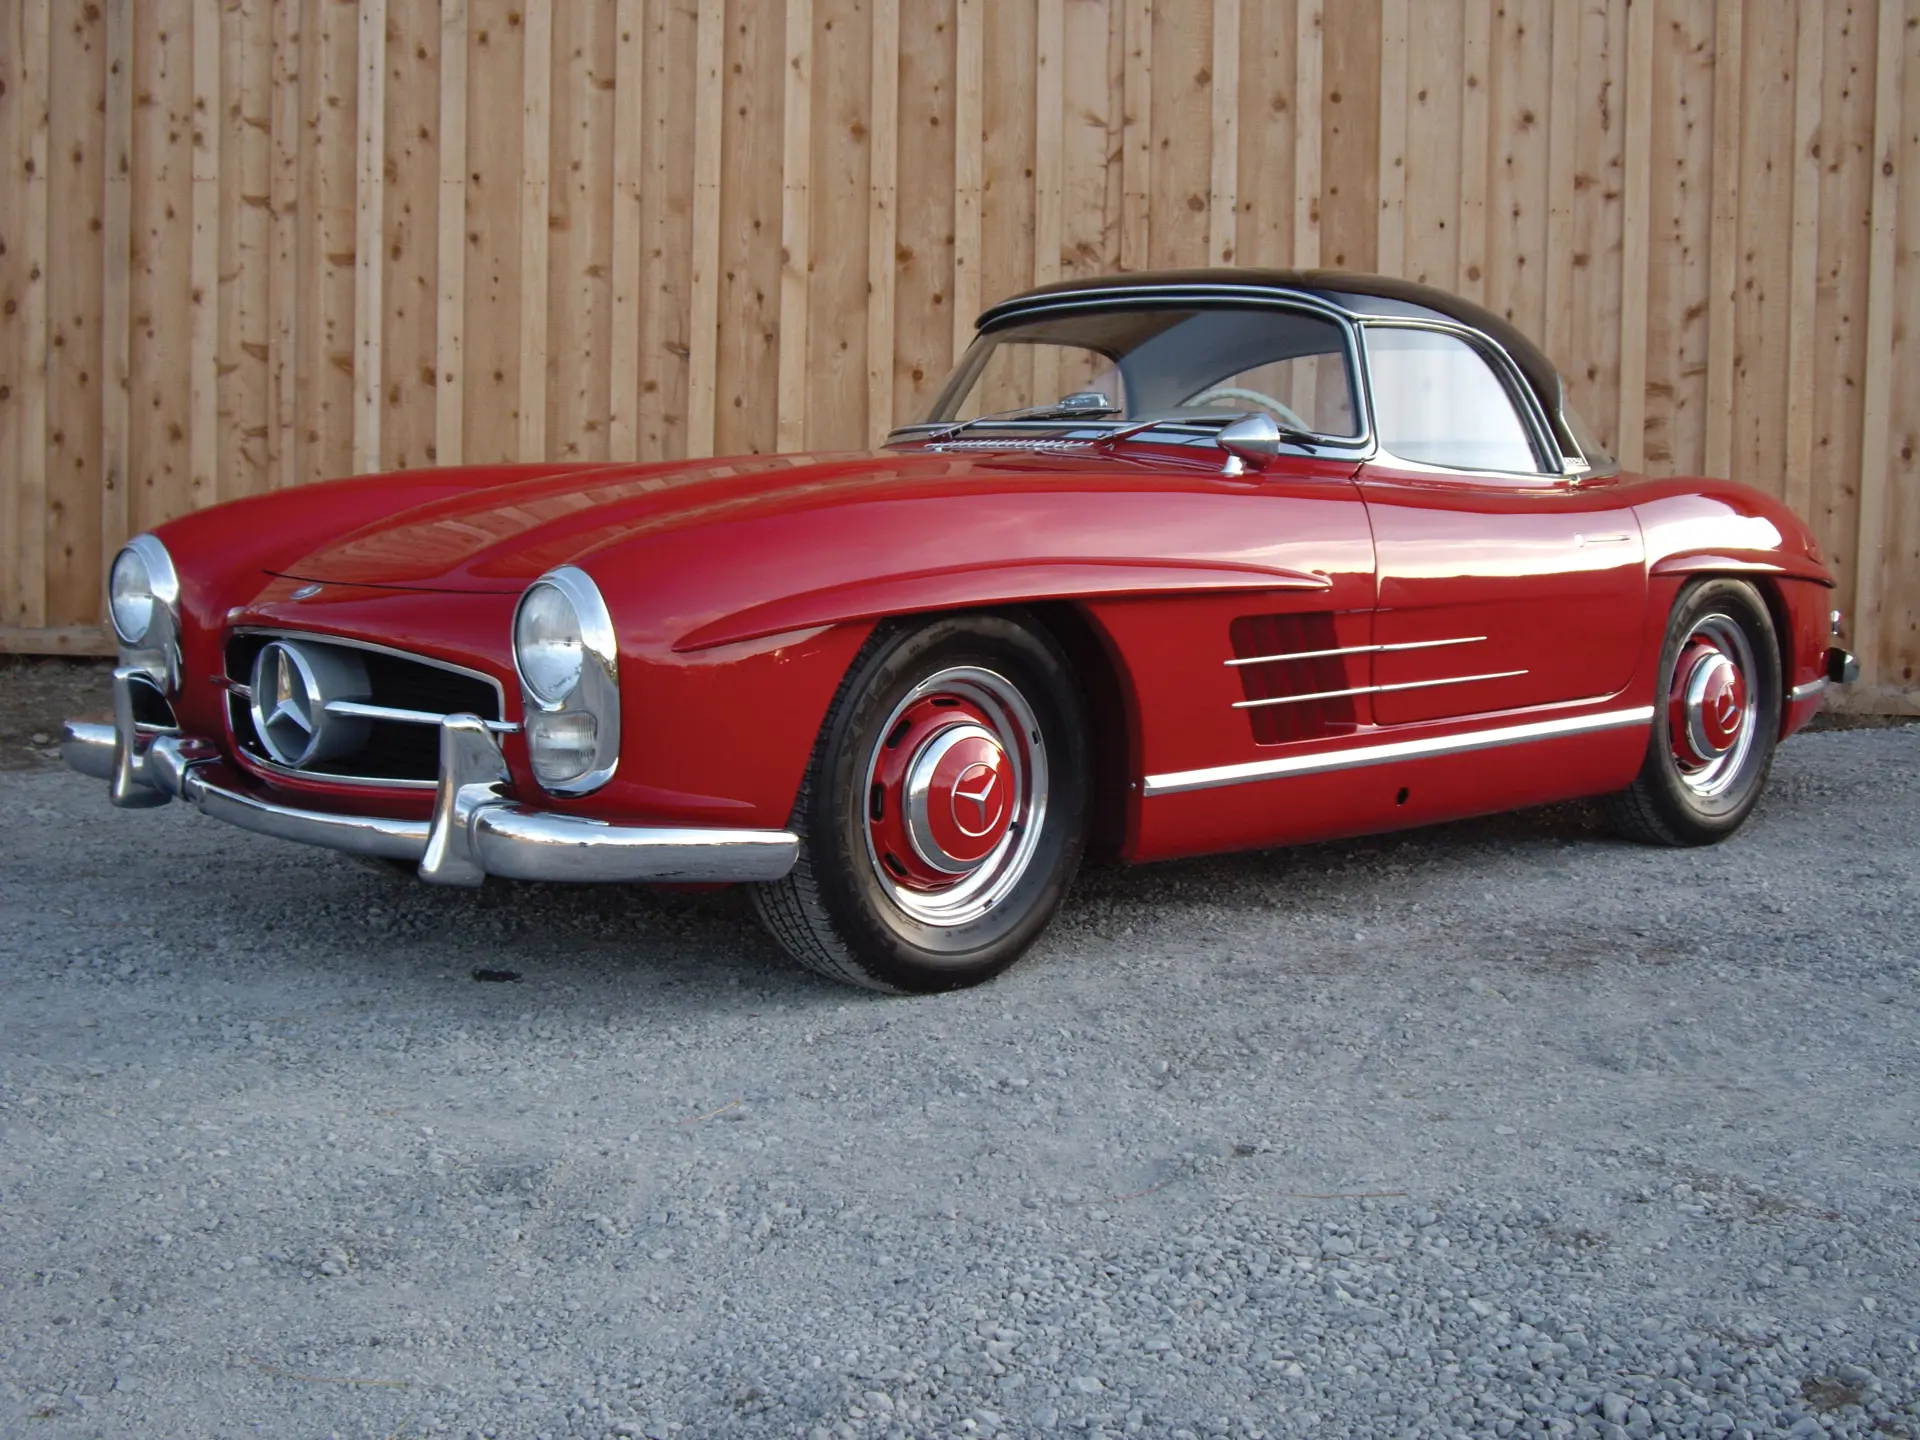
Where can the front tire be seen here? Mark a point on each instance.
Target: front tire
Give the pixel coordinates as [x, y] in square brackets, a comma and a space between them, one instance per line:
[1716, 716]
[944, 811]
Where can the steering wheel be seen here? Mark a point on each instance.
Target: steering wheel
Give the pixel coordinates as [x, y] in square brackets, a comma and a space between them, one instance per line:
[1266, 402]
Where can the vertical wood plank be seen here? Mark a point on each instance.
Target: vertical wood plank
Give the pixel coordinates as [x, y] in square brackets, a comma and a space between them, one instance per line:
[1804, 260]
[796, 225]
[1350, 159]
[115, 280]
[450, 282]
[1763, 243]
[369, 201]
[882, 225]
[203, 266]
[1476, 58]
[1266, 135]
[1392, 241]
[924, 329]
[1562, 166]
[1518, 98]
[1432, 197]
[836, 362]
[283, 282]
[748, 255]
[674, 92]
[1049, 140]
[969, 26]
[1308, 70]
[1223, 199]
[29, 589]
[330, 91]
[704, 326]
[246, 264]
[1010, 81]
[161, 300]
[1876, 414]
[1723, 259]
[1136, 164]
[1635, 246]
[536, 152]
[629, 129]
[75, 182]
[580, 258]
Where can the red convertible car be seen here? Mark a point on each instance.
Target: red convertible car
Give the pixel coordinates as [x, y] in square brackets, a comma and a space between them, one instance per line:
[1178, 562]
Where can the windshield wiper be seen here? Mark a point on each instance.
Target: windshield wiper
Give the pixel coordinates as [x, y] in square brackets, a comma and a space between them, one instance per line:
[1088, 404]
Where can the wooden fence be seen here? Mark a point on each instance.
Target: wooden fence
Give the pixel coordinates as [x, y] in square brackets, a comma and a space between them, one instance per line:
[249, 244]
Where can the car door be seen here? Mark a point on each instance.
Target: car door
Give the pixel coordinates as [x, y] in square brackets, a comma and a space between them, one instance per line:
[1502, 583]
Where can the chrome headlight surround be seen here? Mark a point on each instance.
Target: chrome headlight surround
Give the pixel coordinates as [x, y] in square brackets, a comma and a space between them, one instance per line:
[587, 706]
[142, 574]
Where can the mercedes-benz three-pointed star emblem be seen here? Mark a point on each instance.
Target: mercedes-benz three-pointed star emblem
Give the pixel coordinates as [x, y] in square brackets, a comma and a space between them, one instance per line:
[288, 709]
[975, 787]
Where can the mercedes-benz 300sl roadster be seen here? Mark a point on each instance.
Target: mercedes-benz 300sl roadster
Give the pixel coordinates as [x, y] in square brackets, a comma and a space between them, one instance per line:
[1176, 563]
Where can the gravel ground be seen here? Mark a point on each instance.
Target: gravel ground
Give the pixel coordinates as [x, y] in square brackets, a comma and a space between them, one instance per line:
[1498, 1128]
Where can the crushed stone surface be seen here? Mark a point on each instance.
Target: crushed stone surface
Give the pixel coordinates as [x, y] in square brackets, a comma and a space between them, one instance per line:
[1500, 1128]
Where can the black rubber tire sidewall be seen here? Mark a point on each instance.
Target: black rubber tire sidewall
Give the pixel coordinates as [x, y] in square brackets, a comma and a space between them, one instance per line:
[1693, 818]
[894, 948]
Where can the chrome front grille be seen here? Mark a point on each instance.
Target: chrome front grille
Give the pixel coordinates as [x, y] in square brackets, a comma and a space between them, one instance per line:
[386, 730]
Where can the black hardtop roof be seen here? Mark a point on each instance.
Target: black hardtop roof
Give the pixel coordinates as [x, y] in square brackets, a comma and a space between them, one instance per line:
[1352, 290]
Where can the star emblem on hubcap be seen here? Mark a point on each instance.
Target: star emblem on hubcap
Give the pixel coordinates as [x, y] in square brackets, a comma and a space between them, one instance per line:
[976, 788]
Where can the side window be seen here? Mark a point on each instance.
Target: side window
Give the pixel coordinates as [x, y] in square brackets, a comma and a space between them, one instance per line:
[1437, 401]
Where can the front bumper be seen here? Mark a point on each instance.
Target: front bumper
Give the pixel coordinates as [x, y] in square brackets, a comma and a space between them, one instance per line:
[476, 830]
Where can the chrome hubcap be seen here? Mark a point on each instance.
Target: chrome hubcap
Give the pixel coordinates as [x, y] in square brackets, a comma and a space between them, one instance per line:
[1711, 705]
[956, 788]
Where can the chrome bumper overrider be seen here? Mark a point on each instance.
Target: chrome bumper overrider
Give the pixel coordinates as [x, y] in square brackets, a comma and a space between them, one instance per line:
[476, 831]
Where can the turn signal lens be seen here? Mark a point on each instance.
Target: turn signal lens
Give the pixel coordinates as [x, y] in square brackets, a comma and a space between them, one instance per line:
[547, 644]
[130, 597]
[562, 747]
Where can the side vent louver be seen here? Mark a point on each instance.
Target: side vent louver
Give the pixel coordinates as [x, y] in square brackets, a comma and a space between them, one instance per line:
[1255, 636]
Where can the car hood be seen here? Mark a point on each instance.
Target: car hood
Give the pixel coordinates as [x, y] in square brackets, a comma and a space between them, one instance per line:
[500, 537]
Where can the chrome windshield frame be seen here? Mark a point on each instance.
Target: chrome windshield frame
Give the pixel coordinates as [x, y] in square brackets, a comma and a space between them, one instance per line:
[1356, 446]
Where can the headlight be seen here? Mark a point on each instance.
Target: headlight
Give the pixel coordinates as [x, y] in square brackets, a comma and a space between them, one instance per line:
[564, 650]
[130, 597]
[143, 603]
[546, 643]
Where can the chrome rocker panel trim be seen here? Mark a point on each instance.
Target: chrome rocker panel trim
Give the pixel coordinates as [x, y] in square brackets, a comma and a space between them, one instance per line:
[476, 831]
[1354, 756]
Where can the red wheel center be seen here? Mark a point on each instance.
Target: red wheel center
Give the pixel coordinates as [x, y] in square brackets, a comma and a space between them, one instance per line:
[1707, 708]
[969, 799]
[944, 794]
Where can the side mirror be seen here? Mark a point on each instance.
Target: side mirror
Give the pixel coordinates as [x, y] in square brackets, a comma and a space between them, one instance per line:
[1251, 441]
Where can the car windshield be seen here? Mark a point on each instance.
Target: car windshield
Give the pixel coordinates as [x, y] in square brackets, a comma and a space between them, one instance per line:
[1161, 363]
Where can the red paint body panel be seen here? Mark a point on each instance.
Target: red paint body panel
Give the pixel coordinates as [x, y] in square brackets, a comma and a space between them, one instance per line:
[1552, 575]
[742, 590]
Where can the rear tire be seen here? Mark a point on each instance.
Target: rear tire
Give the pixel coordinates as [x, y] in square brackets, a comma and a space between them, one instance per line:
[944, 810]
[1716, 716]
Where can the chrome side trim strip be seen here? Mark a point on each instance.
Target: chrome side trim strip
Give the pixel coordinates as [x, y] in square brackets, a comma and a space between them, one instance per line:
[1373, 689]
[1358, 650]
[1360, 755]
[407, 717]
[1808, 690]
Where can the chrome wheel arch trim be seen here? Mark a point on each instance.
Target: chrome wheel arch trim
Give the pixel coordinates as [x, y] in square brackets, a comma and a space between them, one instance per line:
[1353, 757]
